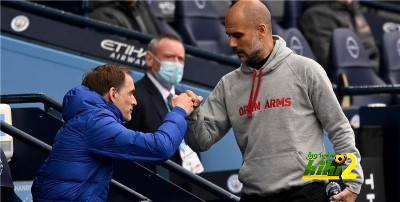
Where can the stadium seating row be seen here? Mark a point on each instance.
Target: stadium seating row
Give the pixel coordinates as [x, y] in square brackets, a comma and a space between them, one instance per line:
[348, 57]
[191, 19]
[199, 25]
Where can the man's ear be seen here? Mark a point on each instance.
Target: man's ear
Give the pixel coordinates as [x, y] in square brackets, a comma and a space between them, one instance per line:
[262, 30]
[111, 94]
[149, 59]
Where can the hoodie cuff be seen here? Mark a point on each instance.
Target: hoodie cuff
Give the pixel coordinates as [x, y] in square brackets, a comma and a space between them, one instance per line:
[353, 187]
[193, 115]
[179, 110]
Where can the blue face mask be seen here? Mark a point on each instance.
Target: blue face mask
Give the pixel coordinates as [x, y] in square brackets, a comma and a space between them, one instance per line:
[170, 73]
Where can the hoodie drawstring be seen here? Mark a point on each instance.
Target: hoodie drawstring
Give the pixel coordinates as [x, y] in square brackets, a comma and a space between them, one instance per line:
[253, 99]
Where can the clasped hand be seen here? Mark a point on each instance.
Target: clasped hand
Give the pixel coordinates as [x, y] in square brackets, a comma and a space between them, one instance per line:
[187, 101]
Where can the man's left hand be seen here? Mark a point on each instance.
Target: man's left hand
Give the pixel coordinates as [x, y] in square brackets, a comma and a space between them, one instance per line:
[346, 195]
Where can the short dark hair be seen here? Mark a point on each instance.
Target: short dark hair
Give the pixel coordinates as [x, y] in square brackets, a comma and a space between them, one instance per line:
[153, 45]
[100, 79]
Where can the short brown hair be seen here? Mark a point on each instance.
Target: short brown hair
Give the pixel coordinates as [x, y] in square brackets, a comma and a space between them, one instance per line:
[100, 79]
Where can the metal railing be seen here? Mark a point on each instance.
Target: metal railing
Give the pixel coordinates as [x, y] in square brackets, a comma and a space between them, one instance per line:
[205, 184]
[370, 89]
[381, 5]
[367, 90]
[169, 165]
[43, 147]
[48, 102]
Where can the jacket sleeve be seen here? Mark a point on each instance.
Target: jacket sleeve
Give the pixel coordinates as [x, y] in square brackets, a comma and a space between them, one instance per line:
[333, 120]
[208, 123]
[105, 136]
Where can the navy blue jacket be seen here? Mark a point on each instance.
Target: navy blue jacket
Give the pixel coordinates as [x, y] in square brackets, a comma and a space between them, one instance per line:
[80, 165]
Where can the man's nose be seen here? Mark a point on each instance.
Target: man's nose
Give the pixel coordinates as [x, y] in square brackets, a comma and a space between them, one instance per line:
[134, 102]
[232, 42]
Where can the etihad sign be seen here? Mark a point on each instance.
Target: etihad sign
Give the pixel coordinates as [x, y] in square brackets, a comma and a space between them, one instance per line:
[124, 52]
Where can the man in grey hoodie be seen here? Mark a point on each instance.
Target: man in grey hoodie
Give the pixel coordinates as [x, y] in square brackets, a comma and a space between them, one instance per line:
[278, 104]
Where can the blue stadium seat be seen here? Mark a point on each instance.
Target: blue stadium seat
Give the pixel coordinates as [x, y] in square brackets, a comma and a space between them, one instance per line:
[390, 69]
[390, 53]
[347, 56]
[164, 26]
[296, 41]
[199, 25]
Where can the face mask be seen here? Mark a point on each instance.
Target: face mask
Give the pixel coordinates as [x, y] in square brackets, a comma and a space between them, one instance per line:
[170, 73]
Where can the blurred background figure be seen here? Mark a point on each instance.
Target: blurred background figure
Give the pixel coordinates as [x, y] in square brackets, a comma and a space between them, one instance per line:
[319, 20]
[132, 14]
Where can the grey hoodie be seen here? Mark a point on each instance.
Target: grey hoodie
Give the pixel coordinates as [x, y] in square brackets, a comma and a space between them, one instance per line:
[293, 105]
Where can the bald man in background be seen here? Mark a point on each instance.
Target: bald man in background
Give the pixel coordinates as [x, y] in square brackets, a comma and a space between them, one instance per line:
[278, 104]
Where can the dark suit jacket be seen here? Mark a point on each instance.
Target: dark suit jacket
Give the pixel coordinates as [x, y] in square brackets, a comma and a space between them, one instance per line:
[150, 111]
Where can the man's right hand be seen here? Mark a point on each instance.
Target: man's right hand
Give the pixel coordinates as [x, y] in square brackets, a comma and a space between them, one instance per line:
[183, 101]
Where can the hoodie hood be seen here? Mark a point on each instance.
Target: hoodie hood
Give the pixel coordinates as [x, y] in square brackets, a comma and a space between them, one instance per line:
[80, 99]
[278, 54]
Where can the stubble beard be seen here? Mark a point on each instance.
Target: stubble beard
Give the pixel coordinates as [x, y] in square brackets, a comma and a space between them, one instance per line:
[254, 54]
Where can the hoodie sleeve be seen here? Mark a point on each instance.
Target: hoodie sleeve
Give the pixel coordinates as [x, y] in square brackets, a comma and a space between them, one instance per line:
[106, 136]
[208, 123]
[333, 120]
